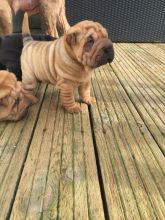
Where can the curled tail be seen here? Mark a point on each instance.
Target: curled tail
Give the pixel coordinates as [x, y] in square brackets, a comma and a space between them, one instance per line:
[25, 30]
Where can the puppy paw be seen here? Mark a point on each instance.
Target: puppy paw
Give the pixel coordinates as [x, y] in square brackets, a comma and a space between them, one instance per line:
[75, 109]
[34, 100]
[89, 100]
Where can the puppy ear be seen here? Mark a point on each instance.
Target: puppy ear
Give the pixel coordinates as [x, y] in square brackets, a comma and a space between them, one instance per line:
[71, 38]
[4, 91]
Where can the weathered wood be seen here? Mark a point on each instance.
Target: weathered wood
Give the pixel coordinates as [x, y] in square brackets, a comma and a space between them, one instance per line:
[106, 162]
[161, 45]
[113, 200]
[80, 192]
[5, 135]
[33, 180]
[58, 172]
[66, 186]
[148, 150]
[157, 53]
[2, 127]
[126, 73]
[14, 154]
[151, 70]
[129, 136]
[95, 208]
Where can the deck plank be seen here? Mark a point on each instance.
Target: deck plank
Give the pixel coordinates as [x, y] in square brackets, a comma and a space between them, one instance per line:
[156, 52]
[66, 188]
[161, 45]
[2, 127]
[30, 206]
[112, 167]
[149, 105]
[56, 180]
[126, 143]
[15, 144]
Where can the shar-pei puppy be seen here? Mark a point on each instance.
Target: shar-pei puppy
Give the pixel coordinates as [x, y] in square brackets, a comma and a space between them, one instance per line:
[14, 100]
[67, 62]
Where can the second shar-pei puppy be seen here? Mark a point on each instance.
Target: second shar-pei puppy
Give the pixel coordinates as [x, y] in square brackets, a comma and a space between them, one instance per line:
[67, 62]
[14, 100]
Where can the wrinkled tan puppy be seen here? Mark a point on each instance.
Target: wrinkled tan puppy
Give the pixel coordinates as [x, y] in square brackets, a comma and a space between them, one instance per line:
[67, 62]
[14, 101]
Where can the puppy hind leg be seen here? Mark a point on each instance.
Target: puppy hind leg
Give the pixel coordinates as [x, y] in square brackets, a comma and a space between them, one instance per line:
[50, 23]
[49, 17]
[62, 21]
[68, 100]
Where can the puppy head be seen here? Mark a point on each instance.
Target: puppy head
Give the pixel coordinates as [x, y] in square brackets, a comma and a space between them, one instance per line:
[90, 44]
[14, 101]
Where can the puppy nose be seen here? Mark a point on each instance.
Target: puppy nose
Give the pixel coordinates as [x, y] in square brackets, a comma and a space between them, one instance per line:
[109, 52]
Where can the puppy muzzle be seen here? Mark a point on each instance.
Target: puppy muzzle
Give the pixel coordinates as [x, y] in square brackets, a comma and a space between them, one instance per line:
[104, 53]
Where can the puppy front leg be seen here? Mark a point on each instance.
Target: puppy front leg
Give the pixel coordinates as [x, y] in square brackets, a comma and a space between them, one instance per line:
[84, 92]
[67, 98]
[29, 81]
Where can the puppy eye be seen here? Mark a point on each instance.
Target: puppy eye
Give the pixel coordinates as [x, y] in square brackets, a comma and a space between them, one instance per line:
[89, 43]
[17, 101]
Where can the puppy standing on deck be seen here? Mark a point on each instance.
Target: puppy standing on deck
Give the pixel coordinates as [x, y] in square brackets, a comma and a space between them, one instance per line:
[68, 62]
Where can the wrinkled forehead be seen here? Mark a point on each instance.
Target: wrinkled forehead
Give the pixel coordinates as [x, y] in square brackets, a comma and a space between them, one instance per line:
[13, 90]
[90, 28]
[7, 78]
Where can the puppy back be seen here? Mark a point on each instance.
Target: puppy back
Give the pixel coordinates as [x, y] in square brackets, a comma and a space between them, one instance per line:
[26, 30]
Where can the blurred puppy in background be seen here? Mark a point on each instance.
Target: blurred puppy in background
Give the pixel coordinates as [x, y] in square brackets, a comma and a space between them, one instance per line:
[14, 100]
[52, 12]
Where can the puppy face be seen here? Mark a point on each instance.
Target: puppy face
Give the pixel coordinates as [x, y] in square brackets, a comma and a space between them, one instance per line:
[90, 44]
[14, 101]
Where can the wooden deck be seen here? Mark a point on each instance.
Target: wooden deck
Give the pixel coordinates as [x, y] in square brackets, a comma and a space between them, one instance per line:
[105, 163]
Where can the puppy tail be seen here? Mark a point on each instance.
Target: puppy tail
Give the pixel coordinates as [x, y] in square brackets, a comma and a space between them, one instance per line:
[25, 30]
